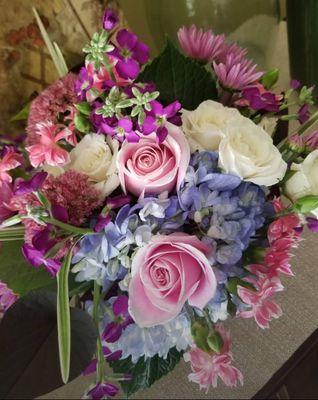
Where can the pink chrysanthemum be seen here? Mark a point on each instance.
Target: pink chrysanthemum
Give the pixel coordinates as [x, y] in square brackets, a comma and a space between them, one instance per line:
[55, 99]
[199, 44]
[237, 53]
[73, 191]
[236, 75]
[7, 297]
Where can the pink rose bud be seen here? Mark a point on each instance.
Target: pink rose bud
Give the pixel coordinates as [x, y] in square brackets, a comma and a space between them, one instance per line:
[149, 167]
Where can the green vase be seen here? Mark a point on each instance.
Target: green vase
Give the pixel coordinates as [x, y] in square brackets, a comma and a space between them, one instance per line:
[250, 22]
[302, 23]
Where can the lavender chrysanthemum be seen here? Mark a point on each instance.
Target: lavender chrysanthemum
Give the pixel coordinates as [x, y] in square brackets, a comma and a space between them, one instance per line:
[199, 44]
[234, 74]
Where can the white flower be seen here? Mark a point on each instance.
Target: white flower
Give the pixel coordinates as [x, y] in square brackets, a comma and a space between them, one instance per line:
[305, 180]
[248, 151]
[96, 157]
[204, 127]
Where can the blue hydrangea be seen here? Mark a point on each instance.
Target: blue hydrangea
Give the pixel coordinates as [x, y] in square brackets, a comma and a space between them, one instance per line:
[138, 342]
[224, 207]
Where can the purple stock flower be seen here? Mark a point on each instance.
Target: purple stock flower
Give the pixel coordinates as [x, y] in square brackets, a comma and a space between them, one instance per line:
[102, 390]
[60, 213]
[83, 84]
[35, 253]
[101, 222]
[303, 113]
[32, 185]
[312, 224]
[109, 355]
[156, 119]
[294, 84]
[123, 130]
[118, 201]
[110, 20]
[260, 99]
[122, 318]
[130, 54]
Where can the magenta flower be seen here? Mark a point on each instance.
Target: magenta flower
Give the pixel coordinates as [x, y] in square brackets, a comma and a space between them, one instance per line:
[123, 130]
[262, 309]
[303, 113]
[32, 185]
[207, 368]
[130, 54]
[10, 159]
[118, 201]
[102, 390]
[7, 297]
[312, 224]
[156, 119]
[109, 355]
[47, 150]
[110, 19]
[236, 75]
[258, 98]
[122, 319]
[201, 45]
[237, 53]
[295, 84]
[6, 195]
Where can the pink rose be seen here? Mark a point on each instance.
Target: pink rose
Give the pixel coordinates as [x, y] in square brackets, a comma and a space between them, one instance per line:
[166, 273]
[149, 167]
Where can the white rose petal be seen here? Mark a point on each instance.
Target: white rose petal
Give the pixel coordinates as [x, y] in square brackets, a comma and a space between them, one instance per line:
[305, 180]
[248, 151]
[96, 156]
[204, 127]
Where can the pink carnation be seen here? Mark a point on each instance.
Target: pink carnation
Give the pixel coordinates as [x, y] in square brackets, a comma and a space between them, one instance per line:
[207, 368]
[9, 160]
[47, 106]
[73, 191]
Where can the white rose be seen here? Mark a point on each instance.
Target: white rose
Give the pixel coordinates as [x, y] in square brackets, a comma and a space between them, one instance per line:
[204, 127]
[305, 181]
[269, 124]
[248, 151]
[96, 156]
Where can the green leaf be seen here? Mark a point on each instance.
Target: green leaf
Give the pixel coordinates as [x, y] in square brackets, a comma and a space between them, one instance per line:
[179, 78]
[234, 282]
[29, 361]
[270, 78]
[63, 317]
[22, 114]
[82, 124]
[83, 108]
[146, 371]
[215, 341]
[306, 204]
[18, 274]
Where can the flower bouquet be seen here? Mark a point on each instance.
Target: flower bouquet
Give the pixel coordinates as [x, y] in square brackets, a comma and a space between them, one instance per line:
[153, 200]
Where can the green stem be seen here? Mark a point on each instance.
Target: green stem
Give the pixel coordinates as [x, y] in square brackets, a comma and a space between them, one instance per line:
[100, 354]
[11, 239]
[67, 227]
[312, 120]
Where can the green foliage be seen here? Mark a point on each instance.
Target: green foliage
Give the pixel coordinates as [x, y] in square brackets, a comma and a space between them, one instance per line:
[234, 282]
[179, 78]
[22, 114]
[270, 78]
[146, 371]
[306, 204]
[18, 274]
[82, 124]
